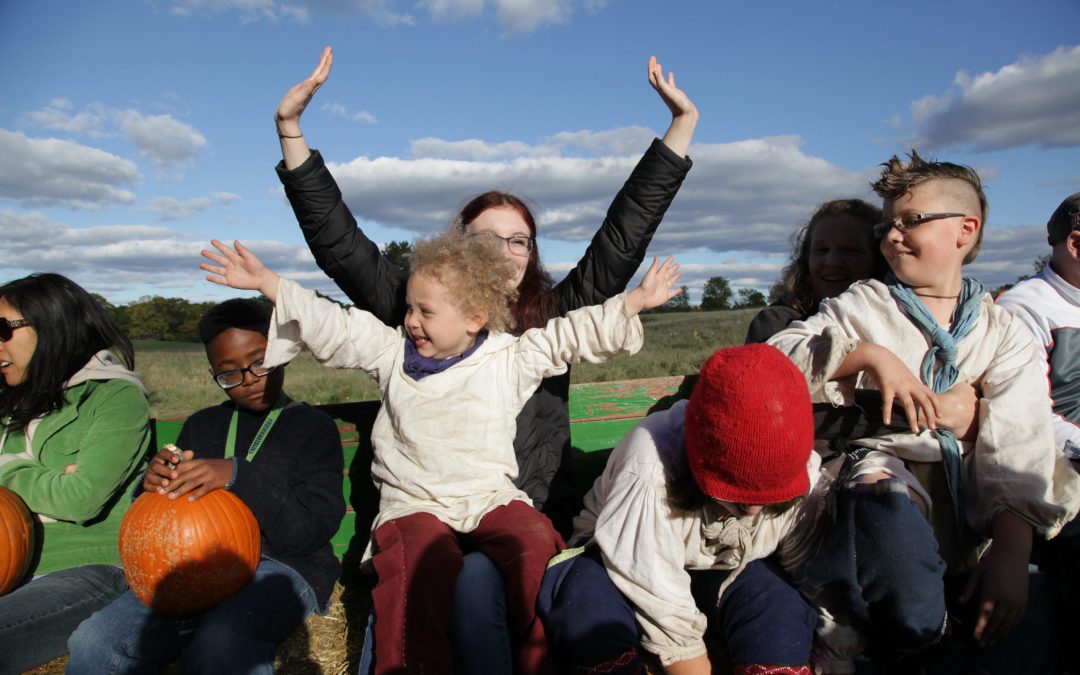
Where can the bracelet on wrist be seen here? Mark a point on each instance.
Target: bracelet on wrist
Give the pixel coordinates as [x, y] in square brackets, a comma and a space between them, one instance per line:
[281, 135]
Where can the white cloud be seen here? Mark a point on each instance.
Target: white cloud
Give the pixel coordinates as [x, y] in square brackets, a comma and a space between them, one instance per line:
[437, 148]
[381, 11]
[163, 138]
[1035, 101]
[49, 171]
[339, 110]
[170, 208]
[623, 141]
[116, 259]
[745, 195]
[514, 16]
[523, 16]
[166, 140]
[58, 115]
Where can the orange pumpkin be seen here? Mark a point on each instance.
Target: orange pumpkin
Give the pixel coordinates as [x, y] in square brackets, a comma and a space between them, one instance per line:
[184, 557]
[17, 532]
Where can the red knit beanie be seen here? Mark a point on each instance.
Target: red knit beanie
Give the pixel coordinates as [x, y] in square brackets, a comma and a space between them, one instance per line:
[749, 427]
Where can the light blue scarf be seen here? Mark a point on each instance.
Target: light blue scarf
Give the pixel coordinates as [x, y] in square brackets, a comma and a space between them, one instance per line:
[944, 349]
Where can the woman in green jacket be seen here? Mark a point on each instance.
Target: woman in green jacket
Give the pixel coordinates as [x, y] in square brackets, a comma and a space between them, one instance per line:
[74, 431]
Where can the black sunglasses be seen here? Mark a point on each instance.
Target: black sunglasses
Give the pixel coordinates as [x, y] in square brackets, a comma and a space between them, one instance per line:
[7, 327]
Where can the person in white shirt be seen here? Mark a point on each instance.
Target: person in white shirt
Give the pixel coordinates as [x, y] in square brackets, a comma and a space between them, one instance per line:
[1049, 304]
[452, 383]
[677, 529]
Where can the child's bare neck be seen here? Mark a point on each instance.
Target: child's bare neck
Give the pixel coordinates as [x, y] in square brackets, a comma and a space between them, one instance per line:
[941, 308]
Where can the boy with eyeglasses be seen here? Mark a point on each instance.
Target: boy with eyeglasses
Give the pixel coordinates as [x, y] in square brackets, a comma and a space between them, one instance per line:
[1049, 304]
[283, 460]
[913, 336]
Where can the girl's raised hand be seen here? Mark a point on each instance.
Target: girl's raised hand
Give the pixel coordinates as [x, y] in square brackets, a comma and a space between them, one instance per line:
[296, 99]
[676, 99]
[658, 286]
[239, 268]
[684, 114]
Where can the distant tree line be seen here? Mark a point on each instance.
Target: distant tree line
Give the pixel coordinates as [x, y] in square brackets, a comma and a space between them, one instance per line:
[177, 320]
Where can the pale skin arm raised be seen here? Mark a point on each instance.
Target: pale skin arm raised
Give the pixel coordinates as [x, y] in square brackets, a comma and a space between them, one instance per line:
[684, 114]
[656, 288]
[294, 148]
[239, 268]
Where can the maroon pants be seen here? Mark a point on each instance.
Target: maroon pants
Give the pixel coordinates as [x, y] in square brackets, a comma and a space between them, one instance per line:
[417, 561]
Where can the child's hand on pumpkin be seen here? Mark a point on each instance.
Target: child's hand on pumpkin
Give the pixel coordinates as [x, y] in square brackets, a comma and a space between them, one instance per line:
[162, 468]
[199, 476]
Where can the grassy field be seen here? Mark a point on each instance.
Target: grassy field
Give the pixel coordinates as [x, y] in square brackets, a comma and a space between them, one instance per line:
[178, 377]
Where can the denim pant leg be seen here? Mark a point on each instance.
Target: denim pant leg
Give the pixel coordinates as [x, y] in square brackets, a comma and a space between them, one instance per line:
[478, 628]
[37, 617]
[367, 651]
[126, 637]
[761, 617]
[588, 621]
[241, 634]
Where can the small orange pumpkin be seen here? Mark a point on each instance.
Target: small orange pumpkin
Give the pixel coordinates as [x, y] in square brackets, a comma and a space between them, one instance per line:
[17, 533]
[184, 557]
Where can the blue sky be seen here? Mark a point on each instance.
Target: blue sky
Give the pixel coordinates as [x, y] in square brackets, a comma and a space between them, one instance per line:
[133, 132]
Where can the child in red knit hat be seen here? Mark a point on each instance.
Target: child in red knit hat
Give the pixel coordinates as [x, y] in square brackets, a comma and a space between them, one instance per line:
[677, 530]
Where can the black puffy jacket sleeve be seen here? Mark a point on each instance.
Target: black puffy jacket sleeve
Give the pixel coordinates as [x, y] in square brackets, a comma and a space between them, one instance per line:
[618, 247]
[355, 263]
[340, 247]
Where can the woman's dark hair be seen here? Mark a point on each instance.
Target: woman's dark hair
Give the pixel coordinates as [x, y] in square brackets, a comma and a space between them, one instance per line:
[794, 288]
[536, 301]
[71, 327]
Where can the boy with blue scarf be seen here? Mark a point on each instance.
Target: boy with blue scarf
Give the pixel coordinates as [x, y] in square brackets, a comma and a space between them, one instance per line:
[904, 497]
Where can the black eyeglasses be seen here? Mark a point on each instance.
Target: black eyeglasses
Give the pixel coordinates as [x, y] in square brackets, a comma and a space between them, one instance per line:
[909, 221]
[7, 327]
[227, 379]
[517, 245]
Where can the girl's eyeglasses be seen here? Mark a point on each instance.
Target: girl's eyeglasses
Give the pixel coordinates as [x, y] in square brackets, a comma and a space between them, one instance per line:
[517, 245]
[7, 327]
[227, 379]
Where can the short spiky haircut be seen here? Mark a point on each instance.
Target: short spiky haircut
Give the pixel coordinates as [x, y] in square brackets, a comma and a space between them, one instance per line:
[897, 179]
[473, 269]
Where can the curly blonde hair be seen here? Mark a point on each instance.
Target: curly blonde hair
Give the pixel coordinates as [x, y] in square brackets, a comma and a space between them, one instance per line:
[473, 269]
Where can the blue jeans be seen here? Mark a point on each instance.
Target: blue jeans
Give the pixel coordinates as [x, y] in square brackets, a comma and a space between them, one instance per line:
[478, 629]
[239, 635]
[590, 624]
[37, 617]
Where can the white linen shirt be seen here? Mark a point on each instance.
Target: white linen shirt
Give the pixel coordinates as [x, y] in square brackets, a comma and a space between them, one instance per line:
[1050, 307]
[444, 444]
[648, 545]
[1013, 464]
